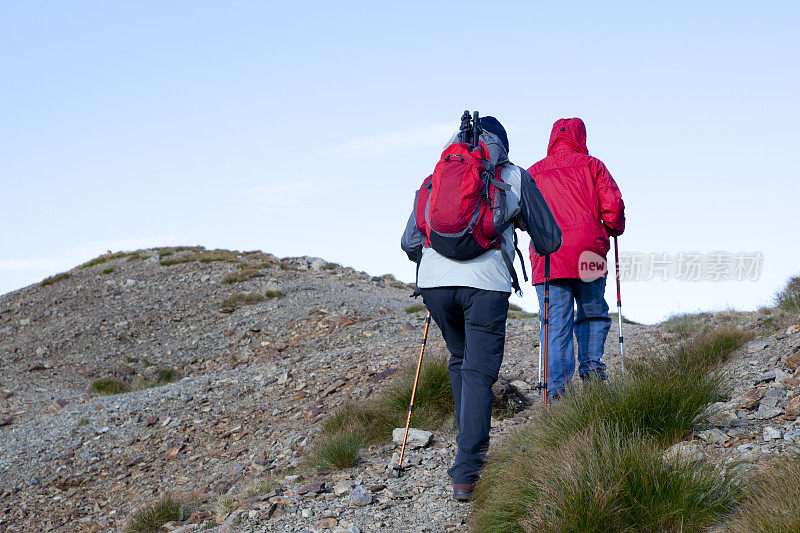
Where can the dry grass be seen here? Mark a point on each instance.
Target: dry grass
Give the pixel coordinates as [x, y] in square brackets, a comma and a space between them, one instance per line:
[239, 299]
[788, 298]
[54, 279]
[686, 325]
[190, 255]
[242, 275]
[273, 294]
[515, 312]
[771, 499]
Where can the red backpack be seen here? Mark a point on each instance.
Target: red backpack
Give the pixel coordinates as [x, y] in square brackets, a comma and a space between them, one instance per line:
[461, 207]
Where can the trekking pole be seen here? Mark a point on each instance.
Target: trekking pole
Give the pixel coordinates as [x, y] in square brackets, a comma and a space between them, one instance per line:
[399, 466]
[543, 354]
[476, 129]
[619, 304]
[465, 129]
[546, 321]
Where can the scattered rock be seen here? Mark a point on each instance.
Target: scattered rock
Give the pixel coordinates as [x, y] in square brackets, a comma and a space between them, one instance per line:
[793, 362]
[342, 487]
[770, 433]
[314, 488]
[766, 377]
[360, 496]
[684, 452]
[417, 438]
[756, 346]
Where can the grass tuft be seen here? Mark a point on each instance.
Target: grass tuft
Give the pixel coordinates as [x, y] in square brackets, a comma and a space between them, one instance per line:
[150, 518]
[355, 425]
[240, 299]
[686, 325]
[108, 270]
[770, 501]
[273, 294]
[338, 450]
[167, 375]
[330, 266]
[54, 279]
[108, 386]
[416, 308]
[243, 275]
[712, 349]
[788, 299]
[601, 479]
[161, 377]
[593, 461]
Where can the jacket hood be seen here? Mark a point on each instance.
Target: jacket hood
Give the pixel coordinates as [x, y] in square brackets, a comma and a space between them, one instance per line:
[568, 134]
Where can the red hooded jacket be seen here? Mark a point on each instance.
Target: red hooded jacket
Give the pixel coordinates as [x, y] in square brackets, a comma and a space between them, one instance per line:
[583, 197]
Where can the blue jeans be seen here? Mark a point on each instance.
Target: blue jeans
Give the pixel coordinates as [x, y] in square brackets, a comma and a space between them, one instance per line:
[473, 324]
[590, 325]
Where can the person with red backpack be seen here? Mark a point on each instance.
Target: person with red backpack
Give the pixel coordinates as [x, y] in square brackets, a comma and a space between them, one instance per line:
[588, 207]
[461, 235]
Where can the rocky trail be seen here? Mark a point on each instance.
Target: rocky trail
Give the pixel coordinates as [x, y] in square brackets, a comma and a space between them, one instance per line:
[230, 361]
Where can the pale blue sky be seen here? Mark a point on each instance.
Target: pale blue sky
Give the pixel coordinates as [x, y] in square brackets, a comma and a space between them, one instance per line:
[303, 128]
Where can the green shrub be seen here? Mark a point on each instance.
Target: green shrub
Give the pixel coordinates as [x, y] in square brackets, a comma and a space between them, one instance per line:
[161, 377]
[167, 375]
[601, 479]
[238, 299]
[150, 518]
[54, 279]
[416, 308]
[789, 298]
[771, 499]
[108, 270]
[273, 294]
[108, 386]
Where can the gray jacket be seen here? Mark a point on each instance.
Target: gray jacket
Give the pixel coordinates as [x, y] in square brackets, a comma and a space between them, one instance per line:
[525, 205]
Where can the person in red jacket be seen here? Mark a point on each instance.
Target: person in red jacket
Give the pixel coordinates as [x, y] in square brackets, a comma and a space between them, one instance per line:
[588, 207]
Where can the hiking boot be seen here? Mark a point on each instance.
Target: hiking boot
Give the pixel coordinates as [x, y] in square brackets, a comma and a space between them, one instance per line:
[462, 492]
[594, 375]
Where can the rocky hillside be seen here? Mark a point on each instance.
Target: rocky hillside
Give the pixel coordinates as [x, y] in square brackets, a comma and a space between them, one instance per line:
[224, 364]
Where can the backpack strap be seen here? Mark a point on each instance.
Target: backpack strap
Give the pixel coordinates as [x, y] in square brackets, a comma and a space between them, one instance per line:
[510, 265]
[521, 260]
[417, 293]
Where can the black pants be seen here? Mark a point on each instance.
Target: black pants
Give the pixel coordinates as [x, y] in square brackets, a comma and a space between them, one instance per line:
[473, 324]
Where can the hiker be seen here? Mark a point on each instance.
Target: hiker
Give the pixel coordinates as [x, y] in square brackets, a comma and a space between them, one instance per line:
[468, 298]
[587, 205]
